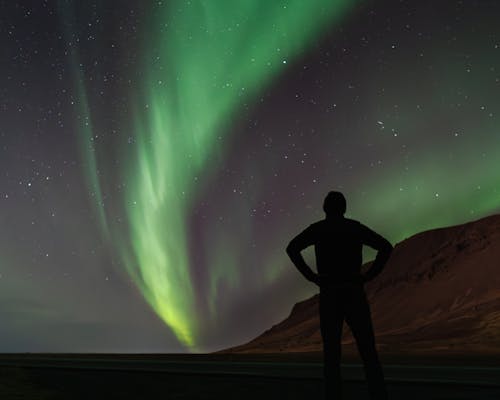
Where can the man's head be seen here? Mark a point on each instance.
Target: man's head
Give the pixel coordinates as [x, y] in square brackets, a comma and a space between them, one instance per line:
[334, 204]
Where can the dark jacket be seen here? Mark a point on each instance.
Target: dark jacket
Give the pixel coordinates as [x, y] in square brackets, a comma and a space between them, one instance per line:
[338, 244]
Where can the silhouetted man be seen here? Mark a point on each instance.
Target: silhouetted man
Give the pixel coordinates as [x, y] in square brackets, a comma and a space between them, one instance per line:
[338, 243]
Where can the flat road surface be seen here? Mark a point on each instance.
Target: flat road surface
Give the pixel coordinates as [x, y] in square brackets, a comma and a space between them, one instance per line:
[32, 376]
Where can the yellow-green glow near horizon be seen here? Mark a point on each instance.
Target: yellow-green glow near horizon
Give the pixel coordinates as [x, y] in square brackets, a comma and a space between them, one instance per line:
[202, 60]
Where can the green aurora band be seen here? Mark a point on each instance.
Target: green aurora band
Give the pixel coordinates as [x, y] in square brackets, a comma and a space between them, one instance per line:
[205, 60]
[202, 60]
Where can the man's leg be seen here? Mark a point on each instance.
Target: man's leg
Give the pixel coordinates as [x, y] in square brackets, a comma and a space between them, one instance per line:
[331, 321]
[358, 317]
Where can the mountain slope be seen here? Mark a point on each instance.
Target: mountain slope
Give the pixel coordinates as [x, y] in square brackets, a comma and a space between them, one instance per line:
[440, 292]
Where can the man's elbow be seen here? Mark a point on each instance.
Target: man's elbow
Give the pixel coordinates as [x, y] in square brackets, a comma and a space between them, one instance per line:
[387, 248]
[291, 249]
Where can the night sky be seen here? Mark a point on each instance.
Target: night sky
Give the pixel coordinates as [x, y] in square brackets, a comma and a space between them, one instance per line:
[156, 157]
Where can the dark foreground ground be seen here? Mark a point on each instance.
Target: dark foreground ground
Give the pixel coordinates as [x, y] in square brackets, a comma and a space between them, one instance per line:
[233, 377]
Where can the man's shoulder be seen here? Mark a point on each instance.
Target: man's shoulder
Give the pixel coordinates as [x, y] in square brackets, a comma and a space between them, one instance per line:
[321, 222]
[352, 221]
[315, 226]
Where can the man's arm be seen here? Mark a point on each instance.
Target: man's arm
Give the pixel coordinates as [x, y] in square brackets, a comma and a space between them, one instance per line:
[297, 244]
[384, 248]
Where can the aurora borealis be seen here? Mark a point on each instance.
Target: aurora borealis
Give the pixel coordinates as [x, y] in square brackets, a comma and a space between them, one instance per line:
[197, 72]
[157, 158]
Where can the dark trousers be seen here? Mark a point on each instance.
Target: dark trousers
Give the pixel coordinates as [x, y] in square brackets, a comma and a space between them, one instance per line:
[339, 303]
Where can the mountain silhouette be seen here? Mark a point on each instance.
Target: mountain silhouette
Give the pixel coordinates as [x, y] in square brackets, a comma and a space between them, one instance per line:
[439, 293]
